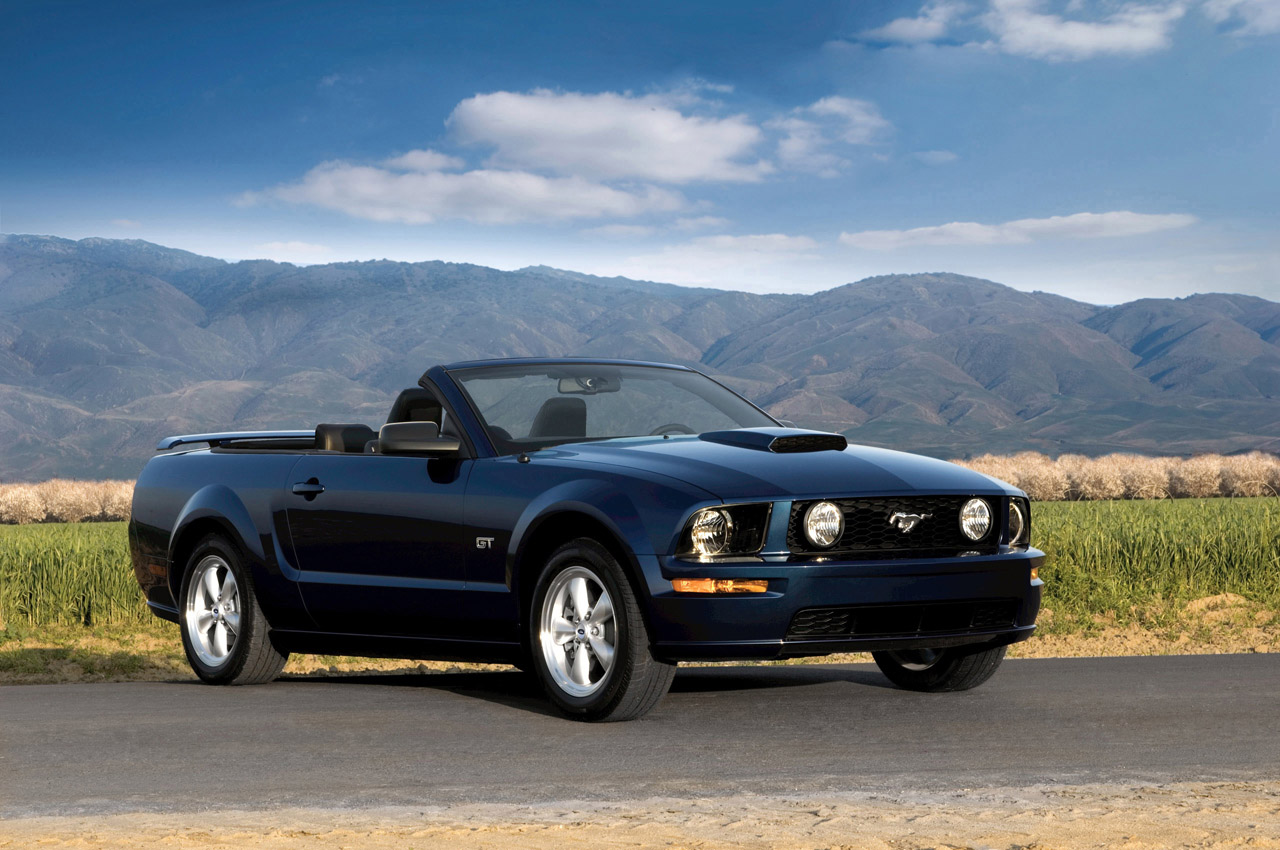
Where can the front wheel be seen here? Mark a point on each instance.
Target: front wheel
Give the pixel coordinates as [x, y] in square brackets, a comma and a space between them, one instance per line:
[224, 632]
[954, 669]
[589, 644]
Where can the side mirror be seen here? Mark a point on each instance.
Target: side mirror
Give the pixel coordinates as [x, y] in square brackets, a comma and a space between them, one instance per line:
[415, 438]
[787, 423]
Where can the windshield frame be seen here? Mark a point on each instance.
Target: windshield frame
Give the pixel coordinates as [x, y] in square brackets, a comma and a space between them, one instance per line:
[502, 447]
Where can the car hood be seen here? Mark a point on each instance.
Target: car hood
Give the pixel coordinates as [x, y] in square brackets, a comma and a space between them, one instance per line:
[741, 472]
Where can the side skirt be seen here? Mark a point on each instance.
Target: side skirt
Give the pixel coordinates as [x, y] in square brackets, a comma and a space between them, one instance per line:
[382, 646]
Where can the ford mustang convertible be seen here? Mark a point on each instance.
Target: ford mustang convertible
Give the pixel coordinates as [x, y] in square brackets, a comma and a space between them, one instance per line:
[592, 522]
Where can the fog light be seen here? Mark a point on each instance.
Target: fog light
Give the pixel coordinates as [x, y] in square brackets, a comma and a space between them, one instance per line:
[975, 519]
[720, 585]
[823, 524]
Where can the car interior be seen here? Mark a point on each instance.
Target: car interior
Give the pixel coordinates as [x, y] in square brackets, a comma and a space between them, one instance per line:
[412, 405]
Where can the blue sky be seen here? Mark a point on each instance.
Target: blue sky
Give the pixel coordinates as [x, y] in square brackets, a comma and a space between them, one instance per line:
[1102, 150]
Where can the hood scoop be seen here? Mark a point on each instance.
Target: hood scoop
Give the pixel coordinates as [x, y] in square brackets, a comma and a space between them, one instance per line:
[778, 440]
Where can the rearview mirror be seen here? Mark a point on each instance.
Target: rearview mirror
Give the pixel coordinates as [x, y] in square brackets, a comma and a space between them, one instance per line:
[415, 438]
[590, 384]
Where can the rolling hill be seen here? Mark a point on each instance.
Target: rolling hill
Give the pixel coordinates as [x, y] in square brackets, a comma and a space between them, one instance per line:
[107, 345]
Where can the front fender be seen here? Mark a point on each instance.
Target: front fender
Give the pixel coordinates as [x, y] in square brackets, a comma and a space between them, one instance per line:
[601, 501]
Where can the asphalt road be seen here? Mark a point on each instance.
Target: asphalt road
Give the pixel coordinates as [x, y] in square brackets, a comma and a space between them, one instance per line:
[489, 737]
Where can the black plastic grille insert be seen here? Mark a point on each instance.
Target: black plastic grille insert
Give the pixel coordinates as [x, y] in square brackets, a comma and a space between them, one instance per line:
[868, 532]
[904, 620]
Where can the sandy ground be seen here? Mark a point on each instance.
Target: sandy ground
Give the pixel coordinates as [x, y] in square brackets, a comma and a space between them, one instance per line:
[1201, 815]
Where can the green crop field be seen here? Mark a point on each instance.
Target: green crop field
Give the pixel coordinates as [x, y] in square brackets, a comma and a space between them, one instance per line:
[68, 574]
[1104, 558]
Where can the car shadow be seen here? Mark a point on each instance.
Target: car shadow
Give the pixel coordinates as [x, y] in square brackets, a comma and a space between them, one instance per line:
[522, 691]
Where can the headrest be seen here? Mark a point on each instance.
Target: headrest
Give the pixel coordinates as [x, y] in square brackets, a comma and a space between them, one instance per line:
[560, 417]
[415, 405]
[343, 438]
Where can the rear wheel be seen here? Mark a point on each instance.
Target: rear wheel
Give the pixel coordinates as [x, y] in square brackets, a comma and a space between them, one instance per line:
[953, 669]
[589, 644]
[224, 633]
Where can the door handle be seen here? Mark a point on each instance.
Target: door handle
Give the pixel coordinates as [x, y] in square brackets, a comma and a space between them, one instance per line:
[308, 489]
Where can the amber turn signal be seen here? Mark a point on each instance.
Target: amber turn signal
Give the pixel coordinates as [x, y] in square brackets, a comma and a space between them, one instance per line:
[720, 585]
[1035, 573]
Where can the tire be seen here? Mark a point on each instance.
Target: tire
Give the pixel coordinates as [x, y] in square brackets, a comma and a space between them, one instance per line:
[955, 669]
[593, 668]
[225, 635]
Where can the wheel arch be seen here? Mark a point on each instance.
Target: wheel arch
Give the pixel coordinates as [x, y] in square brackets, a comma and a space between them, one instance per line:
[558, 526]
[212, 510]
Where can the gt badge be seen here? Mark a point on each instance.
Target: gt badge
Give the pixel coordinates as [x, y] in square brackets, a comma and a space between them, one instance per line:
[484, 542]
[905, 522]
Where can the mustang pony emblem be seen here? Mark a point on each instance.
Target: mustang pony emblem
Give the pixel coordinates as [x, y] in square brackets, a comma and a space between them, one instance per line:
[905, 522]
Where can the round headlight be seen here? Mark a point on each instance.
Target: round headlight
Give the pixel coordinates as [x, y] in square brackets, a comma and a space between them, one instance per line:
[710, 532]
[1017, 522]
[823, 524]
[975, 519]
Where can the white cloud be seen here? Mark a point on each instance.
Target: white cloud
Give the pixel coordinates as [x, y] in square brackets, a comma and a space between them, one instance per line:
[609, 136]
[701, 222]
[1079, 226]
[858, 122]
[1255, 17]
[424, 160]
[487, 196]
[1023, 29]
[622, 231]
[300, 253]
[126, 223]
[930, 25]
[811, 130]
[936, 157]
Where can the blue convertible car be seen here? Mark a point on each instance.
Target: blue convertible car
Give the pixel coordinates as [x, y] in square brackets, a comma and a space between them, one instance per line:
[592, 522]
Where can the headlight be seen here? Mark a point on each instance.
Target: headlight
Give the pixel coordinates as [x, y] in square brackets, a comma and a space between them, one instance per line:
[823, 524]
[1019, 523]
[710, 532]
[726, 530]
[975, 519]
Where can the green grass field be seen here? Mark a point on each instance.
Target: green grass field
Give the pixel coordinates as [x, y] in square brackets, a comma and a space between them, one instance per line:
[1126, 559]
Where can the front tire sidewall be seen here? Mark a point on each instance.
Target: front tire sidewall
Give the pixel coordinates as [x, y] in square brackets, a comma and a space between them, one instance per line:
[588, 554]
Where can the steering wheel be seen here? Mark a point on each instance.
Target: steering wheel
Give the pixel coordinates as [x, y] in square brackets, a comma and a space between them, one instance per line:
[672, 428]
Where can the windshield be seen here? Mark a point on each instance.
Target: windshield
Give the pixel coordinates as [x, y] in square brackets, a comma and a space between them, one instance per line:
[526, 407]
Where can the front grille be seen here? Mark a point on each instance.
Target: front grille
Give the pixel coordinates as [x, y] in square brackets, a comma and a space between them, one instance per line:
[868, 533]
[904, 620]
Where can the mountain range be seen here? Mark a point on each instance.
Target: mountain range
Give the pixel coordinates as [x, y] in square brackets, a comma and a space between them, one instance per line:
[108, 345]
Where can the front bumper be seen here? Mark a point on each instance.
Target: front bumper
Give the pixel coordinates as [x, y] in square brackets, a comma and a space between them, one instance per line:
[821, 607]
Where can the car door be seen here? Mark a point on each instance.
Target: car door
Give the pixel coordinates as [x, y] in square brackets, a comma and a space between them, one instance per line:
[380, 541]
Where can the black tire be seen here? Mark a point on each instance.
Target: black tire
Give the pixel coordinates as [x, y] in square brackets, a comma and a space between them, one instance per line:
[955, 669]
[635, 681]
[250, 657]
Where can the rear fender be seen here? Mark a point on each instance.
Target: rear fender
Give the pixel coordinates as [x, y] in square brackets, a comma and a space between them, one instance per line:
[217, 508]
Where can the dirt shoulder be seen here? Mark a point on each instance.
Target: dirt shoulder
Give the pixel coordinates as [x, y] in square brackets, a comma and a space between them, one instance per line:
[1202, 815]
[153, 652]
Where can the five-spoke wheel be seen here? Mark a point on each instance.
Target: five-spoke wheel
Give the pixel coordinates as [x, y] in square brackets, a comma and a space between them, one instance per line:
[225, 635]
[213, 610]
[578, 633]
[589, 643]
